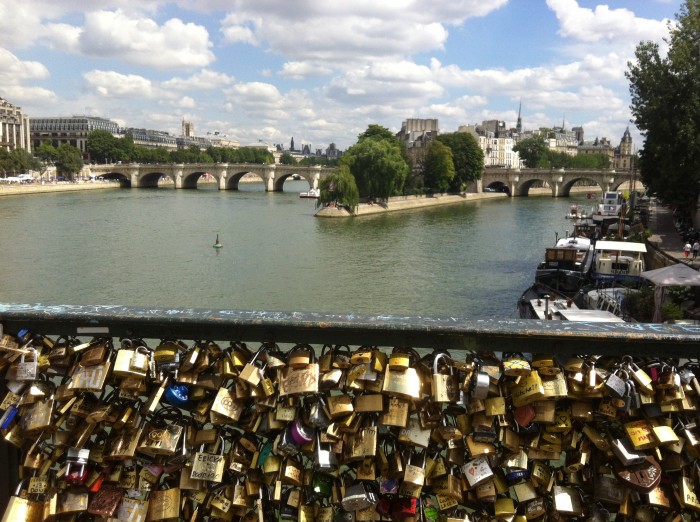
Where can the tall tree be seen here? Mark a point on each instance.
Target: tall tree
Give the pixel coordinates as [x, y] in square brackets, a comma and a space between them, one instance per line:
[102, 147]
[339, 188]
[467, 156]
[378, 164]
[531, 150]
[438, 167]
[69, 161]
[665, 95]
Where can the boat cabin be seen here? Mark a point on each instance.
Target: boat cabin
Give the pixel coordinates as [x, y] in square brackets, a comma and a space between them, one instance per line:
[619, 260]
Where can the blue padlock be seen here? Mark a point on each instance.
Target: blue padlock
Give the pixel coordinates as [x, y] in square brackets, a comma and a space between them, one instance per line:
[8, 416]
[177, 395]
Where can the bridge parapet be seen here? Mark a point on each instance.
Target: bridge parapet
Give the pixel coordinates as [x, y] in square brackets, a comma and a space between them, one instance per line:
[519, 181]
[227, 175]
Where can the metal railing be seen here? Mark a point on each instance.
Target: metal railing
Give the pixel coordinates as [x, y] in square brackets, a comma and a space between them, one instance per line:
[452, 333]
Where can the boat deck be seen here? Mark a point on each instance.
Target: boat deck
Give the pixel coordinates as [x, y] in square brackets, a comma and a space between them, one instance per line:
[566, 310]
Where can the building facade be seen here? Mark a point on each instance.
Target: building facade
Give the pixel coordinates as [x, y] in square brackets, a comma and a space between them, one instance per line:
[417, 134]
[72, 130]
[496, 142]
[14, 127]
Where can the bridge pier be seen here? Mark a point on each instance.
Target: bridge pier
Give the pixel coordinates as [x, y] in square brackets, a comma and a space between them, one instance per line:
[177, 175]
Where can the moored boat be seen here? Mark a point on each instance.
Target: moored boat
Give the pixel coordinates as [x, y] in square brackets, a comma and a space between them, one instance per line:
[537, 303]
[618, 261]
[312, 193]
[566, 265]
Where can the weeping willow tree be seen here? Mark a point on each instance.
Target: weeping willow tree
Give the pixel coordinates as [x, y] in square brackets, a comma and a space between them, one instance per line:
[340, 189]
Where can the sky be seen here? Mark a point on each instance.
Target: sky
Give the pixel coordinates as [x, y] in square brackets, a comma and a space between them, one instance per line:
[321, 71]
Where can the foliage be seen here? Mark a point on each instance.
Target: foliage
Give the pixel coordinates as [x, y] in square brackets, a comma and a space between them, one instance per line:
[339, 188]
[319, 160]
[671, 312]
[531, 150]
[666, 108]
[438, 167]
[678, 294]
[378, 163]
[103, 147]
[467, 156]
[287, 159]
[561, 160]
[641, 305]
[17, 161]
[69, 160]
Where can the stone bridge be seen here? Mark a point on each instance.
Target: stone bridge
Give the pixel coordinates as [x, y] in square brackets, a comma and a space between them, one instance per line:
[227, 175]
[560, 181]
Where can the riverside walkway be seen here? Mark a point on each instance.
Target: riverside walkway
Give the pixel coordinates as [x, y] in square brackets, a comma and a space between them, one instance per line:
[664, 233]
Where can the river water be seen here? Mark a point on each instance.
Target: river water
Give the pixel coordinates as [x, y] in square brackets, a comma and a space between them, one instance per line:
[153, 247]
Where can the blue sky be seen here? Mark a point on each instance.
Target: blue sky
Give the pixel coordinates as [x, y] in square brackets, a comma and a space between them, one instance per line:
[321, 71]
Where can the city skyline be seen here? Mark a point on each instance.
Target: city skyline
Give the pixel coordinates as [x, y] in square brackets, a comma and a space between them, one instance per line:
[254, 70]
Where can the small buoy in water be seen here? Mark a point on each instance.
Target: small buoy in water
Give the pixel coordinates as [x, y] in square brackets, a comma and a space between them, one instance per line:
[217, 244]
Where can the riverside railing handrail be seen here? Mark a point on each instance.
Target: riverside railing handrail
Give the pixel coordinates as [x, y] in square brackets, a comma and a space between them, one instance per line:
[453, 333]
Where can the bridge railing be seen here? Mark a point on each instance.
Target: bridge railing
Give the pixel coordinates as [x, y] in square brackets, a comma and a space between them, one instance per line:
[459, 335]
[452, 333]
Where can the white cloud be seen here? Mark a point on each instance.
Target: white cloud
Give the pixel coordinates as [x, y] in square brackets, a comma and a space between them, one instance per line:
[115, 85]
[302, 70]
[205, 79]
[15, 71]
[604, 24]
[342, 32]
[137, 40]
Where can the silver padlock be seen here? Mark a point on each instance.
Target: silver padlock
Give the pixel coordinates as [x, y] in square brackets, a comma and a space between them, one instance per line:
[26, 371]
[480, 389]
[325, 459]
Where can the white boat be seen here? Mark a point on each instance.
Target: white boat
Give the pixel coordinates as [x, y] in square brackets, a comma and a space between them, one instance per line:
[553, 308]
[611, 205]
[312, 193]
[618, 261]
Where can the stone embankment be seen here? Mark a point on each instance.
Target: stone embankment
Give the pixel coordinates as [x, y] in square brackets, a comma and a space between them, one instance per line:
[406, 203]
[38, 188]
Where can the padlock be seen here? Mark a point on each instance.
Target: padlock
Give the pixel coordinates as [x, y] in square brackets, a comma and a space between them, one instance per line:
[27, 370]
[251, 373]
[444, 386]
[360, 495]
[208, 466]
[415, 474]
[97, 353]
[324, 458]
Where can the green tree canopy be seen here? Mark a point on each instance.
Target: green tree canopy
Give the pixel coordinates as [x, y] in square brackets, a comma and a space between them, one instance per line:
[287, 159]
[69, 161]
[438, 167]
[531, 150]
[665, 95]
[378, 164]
[339, 188]
[102, 147]
[467, 156]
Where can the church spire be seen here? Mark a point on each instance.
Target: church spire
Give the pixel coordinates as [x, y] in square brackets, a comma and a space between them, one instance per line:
[519, 124]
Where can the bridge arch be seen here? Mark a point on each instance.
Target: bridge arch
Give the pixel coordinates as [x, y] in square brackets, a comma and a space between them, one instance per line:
[151, 179]
[234, 178]
[566, 187]
[280, 179]
[189, 180]
[123, 179]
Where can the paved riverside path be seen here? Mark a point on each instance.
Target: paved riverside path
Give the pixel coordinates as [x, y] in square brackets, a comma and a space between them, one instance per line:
[665, 234]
